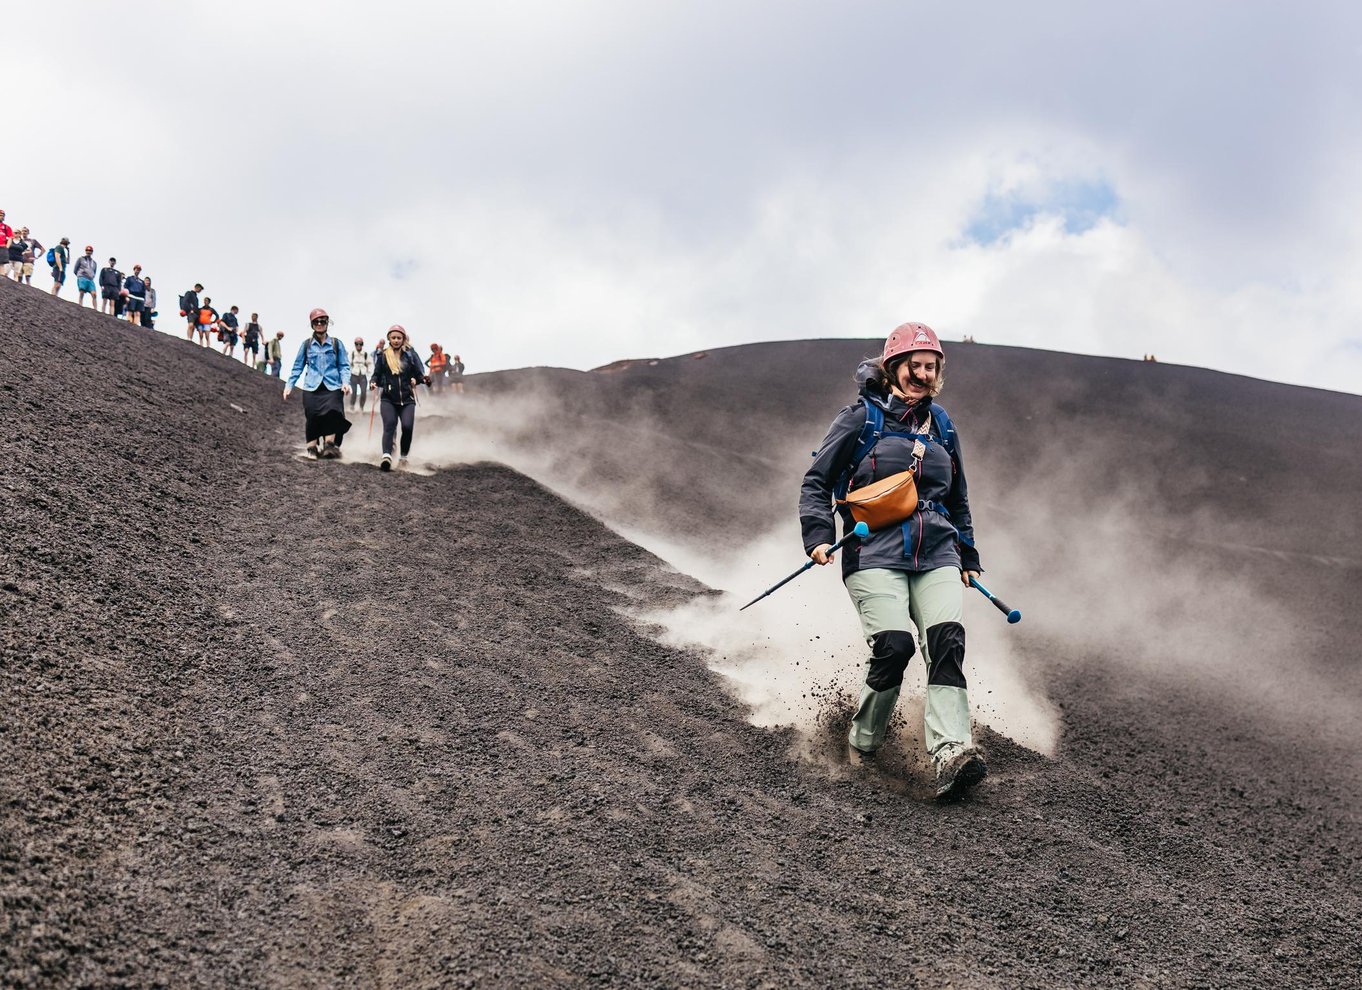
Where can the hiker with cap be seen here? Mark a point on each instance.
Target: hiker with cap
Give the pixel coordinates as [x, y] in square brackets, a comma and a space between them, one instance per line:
[456, 369]
[323, 366]
[397, 372]
[86, 270]
[439, 362]
[274, 354]
[137, 296]
[59, 258]
[32, 250]
[892, 459]
[360, 367]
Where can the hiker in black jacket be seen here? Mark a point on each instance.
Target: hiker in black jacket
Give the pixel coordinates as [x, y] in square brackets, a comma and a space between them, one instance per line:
[907, 578]
[189, 309]
[110, 284]
[397, 372]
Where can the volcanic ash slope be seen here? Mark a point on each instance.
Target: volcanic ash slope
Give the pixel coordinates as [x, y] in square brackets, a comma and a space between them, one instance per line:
[277, 723]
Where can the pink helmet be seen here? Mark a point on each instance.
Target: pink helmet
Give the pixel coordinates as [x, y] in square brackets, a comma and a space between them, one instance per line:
[399, 328]
[316, 313]
[909, 337]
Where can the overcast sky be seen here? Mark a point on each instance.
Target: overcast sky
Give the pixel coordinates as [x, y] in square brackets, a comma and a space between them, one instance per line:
[570, 183]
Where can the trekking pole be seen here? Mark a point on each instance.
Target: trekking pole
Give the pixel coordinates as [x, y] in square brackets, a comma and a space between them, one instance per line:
[858, 532]
[1013, 615]
[372, 409]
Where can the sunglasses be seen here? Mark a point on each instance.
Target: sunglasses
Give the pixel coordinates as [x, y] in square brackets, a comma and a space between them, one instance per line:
[320, 321]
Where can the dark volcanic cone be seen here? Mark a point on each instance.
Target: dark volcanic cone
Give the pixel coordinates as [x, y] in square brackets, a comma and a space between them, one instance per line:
[266, 722]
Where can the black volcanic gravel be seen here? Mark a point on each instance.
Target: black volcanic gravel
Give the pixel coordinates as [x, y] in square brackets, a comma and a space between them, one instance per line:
[266, 722]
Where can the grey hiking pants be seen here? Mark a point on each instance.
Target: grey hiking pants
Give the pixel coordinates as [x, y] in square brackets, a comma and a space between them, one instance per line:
[902, 613]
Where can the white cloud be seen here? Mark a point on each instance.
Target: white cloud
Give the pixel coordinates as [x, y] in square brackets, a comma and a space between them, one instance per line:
[574, 183]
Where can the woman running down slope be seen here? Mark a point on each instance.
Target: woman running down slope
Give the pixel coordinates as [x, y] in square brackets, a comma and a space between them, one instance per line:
[907, 579]
[397, 372]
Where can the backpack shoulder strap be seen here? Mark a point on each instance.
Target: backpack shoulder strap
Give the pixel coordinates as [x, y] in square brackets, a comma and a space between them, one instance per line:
[946, 430]
[870, 435]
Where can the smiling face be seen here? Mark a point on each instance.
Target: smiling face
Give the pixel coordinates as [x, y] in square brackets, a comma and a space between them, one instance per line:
[916, 375]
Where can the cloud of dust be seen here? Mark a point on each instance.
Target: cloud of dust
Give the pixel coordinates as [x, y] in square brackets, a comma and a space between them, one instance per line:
[1107, 578]
[785, 656]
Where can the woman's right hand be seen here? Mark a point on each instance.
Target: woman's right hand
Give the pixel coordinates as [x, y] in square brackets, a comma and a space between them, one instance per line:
[820, 554]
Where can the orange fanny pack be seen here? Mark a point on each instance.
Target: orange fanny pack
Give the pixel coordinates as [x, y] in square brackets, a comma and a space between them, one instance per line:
[886, 502]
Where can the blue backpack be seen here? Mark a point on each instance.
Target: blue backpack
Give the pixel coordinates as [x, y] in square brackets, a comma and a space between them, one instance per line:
[873, 432]
[51, 256]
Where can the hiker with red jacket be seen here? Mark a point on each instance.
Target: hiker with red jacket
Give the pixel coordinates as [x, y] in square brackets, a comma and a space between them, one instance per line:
[397, 372]
[907, 578]
[439, 362]
[322, 371]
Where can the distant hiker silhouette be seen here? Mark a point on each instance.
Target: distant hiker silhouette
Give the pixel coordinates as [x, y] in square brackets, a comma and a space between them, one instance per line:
[907, 578]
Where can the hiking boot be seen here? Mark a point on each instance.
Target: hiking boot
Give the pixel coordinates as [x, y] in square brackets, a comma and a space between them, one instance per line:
[402, 463]
[387, 463]
[860, 759]
[330, 452]
[961, 772]
[312, 454]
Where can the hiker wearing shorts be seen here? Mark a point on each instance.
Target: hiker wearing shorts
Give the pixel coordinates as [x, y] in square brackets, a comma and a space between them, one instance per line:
[456, 374]
[397, 372]
[907, 578]
[14, 256]
[323, 366]
[360, 369]
[189, 309]
[110, 285]
[227, 331]
[208, 318]
[250, 344]
[61, 258]
[32, 250]
[85, 269]
[136, 295]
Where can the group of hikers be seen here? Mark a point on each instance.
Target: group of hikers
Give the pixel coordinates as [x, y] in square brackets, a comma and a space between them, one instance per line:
[129, 297]
[326, 372]
[258, 350]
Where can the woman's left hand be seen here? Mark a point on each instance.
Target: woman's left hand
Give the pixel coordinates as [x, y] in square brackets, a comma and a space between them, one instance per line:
[966, 575]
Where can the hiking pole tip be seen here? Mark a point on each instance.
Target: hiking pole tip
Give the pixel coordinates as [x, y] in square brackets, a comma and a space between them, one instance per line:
[1013, 614]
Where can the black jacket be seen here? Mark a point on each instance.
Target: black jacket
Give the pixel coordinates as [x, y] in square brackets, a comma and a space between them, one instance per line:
[928, 539]
[398, 389]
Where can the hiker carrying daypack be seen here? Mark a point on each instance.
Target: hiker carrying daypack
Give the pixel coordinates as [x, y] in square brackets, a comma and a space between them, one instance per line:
[907, 577]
